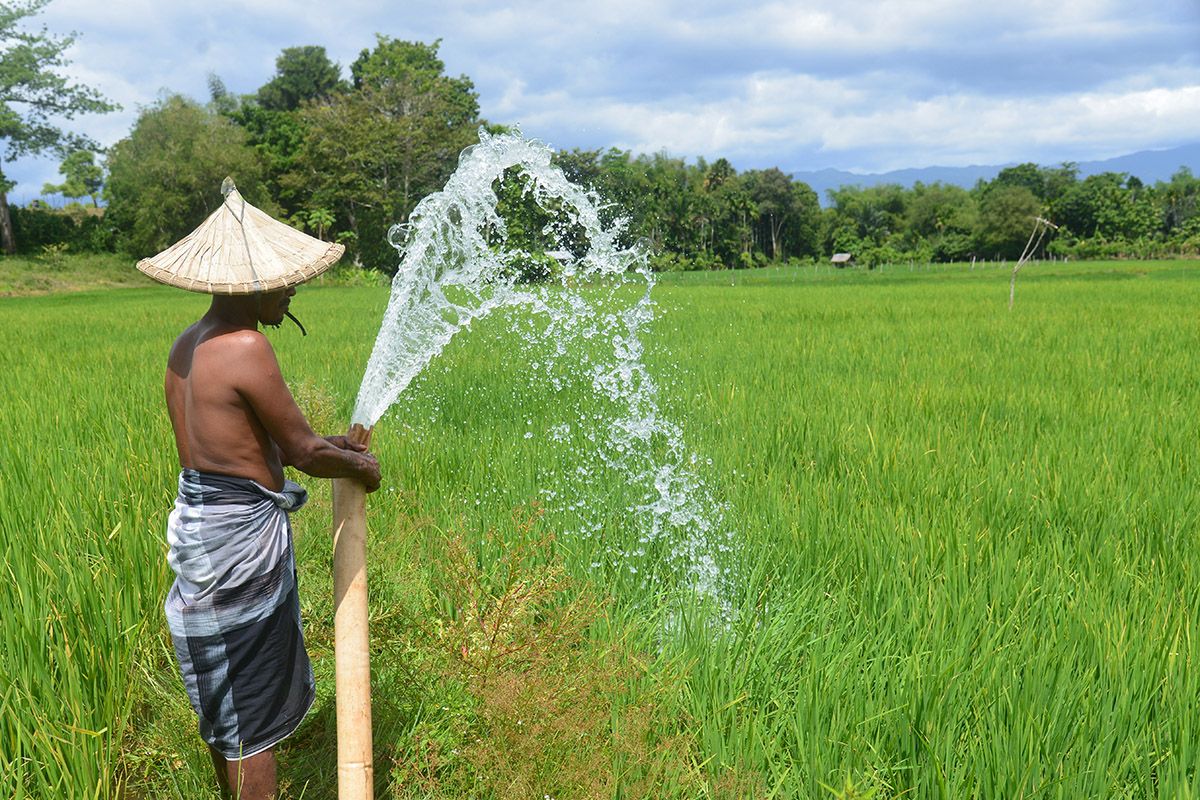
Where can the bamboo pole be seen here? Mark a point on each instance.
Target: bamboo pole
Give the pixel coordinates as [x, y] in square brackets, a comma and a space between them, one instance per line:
[1031, 247]
[351, 654]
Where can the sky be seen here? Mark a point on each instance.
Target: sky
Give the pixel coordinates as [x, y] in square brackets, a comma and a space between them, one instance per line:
[861, 85]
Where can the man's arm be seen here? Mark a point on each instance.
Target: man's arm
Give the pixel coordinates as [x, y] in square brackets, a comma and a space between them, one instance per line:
[340, 442]
[259, 381]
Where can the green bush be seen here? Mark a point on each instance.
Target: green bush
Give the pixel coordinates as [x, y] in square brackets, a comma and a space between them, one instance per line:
[681, 262]
[1099, 249]
[525, 267]
[35, 228]
[666, 262]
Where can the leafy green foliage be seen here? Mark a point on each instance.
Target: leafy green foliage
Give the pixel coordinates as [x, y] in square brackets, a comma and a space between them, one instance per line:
[942, 218]
[366, 150]
[1007, 214]
[1107, 206]
[318, 220]
[868, 223]
[278, 137]
[787, 222]
[417, 69]
[84, 177]
[1028, 176]
[371, 154]
[35, 228]
[302, 74]
[700, 216]
[165, 177]
[34, 95]
[33, 91]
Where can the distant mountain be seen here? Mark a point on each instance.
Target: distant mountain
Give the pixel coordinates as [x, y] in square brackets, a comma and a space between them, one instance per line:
[1149, 165]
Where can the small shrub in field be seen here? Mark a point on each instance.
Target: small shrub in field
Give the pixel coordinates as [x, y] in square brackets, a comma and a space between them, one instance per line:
[347, 274]
[53, 255]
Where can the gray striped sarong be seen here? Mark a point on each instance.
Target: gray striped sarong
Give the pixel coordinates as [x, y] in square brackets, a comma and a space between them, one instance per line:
[233, 611]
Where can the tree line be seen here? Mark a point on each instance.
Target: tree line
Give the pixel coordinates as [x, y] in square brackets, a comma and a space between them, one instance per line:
[345, 156]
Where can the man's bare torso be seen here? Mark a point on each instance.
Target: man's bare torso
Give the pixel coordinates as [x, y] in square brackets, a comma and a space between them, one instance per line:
[216, 430]
[231, 409]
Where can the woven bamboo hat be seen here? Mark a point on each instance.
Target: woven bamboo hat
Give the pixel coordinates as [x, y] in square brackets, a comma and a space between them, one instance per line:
[241, 250]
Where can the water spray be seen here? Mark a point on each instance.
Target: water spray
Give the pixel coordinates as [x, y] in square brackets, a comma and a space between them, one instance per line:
[457, 266]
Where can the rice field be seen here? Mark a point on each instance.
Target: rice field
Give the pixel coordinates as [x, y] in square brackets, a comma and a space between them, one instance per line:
[966, 548]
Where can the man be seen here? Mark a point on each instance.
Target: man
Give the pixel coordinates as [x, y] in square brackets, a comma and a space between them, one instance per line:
[233, 611]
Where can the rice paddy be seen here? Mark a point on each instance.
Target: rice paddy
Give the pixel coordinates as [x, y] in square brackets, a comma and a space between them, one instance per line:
[966, 548]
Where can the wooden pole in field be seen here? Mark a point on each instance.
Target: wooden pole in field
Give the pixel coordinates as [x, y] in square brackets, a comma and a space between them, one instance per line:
[1031, 247]
[351, 654]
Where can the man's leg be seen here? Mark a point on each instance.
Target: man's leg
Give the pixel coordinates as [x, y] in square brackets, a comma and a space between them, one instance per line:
[220, 767]
[250, 778]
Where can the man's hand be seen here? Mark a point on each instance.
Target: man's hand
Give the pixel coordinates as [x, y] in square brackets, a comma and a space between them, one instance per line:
[369, 476]
[367, 464]
[342, 443]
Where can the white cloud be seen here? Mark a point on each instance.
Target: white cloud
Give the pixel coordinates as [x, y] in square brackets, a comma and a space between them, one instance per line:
[798, 118]
[870, 84]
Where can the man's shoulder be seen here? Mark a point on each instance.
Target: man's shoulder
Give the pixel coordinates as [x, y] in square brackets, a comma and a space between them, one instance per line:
[228, 352]
[244, 351]
[243, 339]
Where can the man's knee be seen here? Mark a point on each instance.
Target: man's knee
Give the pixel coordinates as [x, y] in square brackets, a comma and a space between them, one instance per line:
[251, 778]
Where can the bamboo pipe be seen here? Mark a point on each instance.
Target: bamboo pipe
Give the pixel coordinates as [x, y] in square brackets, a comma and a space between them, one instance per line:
[351, 654]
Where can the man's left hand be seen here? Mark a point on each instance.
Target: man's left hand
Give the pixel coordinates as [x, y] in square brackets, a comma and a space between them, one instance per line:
[342, 443]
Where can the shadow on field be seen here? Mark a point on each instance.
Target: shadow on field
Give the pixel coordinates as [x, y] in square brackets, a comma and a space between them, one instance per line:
[308, 761]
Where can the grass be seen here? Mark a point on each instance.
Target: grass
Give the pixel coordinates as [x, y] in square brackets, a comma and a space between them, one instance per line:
[967, 537]
[56, 272]
[59, 271]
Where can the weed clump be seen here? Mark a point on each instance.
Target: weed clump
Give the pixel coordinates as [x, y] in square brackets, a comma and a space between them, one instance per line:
[550, 708]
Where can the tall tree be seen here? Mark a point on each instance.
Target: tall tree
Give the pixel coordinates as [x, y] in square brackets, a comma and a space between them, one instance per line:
[83, 177]
[1058, 180]
[165, 177]
[34, 95]
[730, 211]
[772, 192]
[278, 136]
[788, 213]
[865, 217]
[301, 74]
[372, 153]
[803, 236]
[220, 99]
[942, 219]
[1006, 217]
[1110, 206]
[1029, 175]
[1179, 199]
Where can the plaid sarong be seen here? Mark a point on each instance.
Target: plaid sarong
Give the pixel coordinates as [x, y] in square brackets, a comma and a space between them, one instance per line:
[233, 611]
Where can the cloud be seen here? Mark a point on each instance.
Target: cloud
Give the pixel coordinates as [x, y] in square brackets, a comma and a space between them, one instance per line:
[866, 84]
[863, 124]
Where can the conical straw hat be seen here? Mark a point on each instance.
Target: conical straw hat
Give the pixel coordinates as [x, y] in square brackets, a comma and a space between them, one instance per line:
[241, 250]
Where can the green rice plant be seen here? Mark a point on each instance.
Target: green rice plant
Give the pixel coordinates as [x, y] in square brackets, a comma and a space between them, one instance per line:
[966, 537]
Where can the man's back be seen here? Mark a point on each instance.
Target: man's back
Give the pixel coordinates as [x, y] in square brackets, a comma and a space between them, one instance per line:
[233, 413]
[212, 373]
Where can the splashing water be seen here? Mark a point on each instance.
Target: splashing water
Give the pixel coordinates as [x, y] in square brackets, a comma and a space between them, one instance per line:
[457, 267]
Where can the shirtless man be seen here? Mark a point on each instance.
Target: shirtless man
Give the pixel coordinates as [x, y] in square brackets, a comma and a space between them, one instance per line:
[233, 611]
